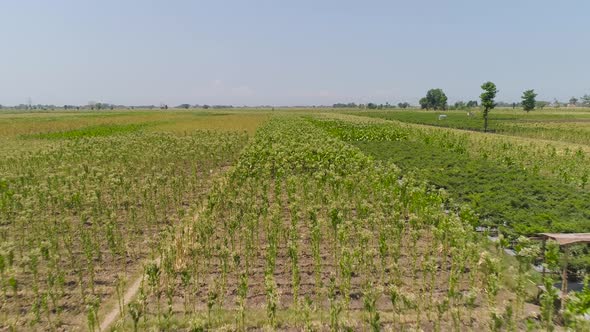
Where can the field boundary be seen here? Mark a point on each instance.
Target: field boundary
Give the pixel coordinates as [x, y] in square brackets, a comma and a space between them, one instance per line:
[114, 315]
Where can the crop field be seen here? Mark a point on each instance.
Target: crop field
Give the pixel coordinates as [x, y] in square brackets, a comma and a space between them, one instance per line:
[521, 186]
[564, 124]
[280, 220]
[520, 173]
[84, 199]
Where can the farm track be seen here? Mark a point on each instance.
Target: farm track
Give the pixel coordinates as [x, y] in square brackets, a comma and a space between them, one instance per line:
[130, 294]
[113, 315]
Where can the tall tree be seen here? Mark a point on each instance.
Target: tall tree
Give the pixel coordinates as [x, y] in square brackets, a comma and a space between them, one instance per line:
[528, 100]
[573, 101]
[585, 100]
[487, 101]
[435, 99]
[423, 103]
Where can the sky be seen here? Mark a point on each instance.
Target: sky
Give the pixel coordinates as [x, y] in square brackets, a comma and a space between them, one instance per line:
[289, 52]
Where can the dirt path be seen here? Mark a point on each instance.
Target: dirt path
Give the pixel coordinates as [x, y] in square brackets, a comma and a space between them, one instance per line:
[115, 313]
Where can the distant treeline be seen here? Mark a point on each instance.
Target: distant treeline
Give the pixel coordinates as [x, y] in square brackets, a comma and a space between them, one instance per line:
[106, 106]
[187, 106]
[371, 105]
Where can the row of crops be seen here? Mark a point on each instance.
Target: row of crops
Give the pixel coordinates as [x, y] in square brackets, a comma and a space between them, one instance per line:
[569, 164]
[307, 232]
[568, 126]
[543, 186]
[529, 200]
[77, 219]
[295, 228]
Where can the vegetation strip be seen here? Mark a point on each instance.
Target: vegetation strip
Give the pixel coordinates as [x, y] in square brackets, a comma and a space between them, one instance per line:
[572, 127]
[76, 219]
[308, 224]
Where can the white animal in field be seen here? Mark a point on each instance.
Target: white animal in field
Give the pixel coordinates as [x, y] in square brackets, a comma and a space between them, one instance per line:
[442, 116]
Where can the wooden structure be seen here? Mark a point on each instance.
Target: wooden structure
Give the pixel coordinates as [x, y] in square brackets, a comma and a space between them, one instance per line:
[564, 240]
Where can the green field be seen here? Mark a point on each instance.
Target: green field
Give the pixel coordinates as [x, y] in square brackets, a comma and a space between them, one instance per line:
[555, 124]
[284, 219]
[529, 186]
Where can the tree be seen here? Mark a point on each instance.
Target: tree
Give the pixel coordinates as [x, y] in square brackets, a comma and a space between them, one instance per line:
[472, 103]
[185, 106]
[585, 100]
[403, 105]
[423, 103]
[541, 104]
[372, 106]
[435, 99]
[459, 105]
[344, 105]
[528, 100]
[573, 101]
[487, 101]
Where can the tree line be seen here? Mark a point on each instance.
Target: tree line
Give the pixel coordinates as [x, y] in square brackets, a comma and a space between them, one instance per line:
[372, 106]
[436, 99]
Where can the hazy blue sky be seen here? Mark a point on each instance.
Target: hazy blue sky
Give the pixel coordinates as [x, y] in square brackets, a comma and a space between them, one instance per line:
[289, 52]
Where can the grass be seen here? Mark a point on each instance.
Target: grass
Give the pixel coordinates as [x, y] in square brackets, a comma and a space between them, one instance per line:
[92, 131]
[30, 132]
[176, 121]
[247, 122]
[525, 203]
[566, 126]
